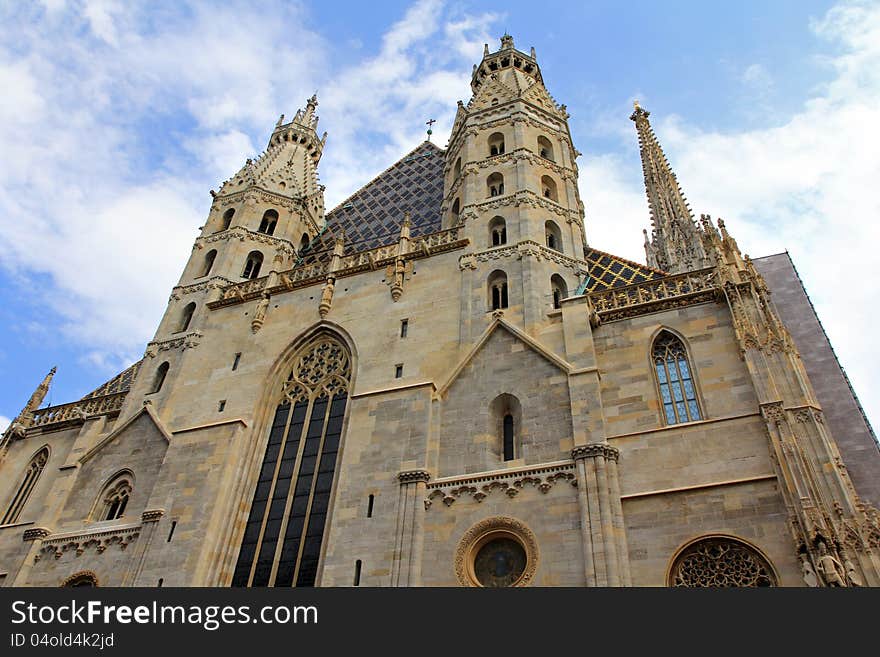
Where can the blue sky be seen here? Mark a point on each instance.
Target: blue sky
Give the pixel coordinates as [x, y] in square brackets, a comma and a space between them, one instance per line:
[118, 117]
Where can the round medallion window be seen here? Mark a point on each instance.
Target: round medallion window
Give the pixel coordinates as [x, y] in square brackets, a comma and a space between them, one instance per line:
[497, 552]
[720, 562]
[500, 562]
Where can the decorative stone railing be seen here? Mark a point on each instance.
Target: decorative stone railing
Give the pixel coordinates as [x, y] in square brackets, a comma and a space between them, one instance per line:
[79, 410]
[511, 482]
[652, 296]
[420, 247]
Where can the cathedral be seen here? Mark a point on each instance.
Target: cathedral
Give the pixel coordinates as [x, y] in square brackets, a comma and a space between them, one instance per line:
[442, 382]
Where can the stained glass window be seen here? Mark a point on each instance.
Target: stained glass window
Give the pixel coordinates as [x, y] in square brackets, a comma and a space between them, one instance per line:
[675, 380]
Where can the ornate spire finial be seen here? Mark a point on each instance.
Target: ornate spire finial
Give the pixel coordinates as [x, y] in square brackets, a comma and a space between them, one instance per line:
[506, 41]
[430, 123]
[676, 245]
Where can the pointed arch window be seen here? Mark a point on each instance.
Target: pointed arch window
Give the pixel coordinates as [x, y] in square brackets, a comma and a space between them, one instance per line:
[270, 220]
[159, 379]
[675, 379]
[545, 148]
[456, 210]
[284, 532]
[25, 488]
[114, 498]
[252, 265]
[553, 236]
[548, 188]
[506, 413]
[303, 243]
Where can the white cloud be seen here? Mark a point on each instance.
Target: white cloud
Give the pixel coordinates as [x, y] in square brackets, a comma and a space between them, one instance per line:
[806, 186]
[4, 423]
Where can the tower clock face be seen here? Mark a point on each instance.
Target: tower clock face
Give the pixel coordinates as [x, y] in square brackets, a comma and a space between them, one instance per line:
[500, 562]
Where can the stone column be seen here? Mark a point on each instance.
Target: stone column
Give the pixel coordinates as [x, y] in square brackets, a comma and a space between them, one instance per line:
[605, 550]
[149, 520]
[406, 566]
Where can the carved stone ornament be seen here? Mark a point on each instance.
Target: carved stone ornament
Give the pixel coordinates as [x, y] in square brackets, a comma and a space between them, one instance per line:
[35, 533]
[513, 563]
[608, 452]
[511, 482]
[413, 476]
[152, 515]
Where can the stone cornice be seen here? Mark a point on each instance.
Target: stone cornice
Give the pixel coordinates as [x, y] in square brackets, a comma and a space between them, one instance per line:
[35, 533]
[99, 538]
[524, 248]
[188, 341]
[555, 125]
[241, 233]
[214, 282]
[511, 481]
[524, 197]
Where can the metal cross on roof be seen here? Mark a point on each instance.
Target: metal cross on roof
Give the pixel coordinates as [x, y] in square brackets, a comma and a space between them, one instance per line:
[429, 123]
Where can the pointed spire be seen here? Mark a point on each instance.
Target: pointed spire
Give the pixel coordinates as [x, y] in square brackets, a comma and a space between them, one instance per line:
[26, 417]
[676, 245]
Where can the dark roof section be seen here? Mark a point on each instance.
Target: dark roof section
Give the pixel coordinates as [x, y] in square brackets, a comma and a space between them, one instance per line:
[607, 270]
[371, 217]
[119, 383]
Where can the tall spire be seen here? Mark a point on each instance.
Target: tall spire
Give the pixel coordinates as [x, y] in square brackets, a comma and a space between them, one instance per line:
[20, 424]
[675, 245]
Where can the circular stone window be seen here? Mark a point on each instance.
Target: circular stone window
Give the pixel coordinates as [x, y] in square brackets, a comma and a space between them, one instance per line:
[497, 552]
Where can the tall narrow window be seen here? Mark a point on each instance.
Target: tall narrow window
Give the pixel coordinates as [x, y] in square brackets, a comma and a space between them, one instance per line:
[236, 361]
[186, 316]
[285, 527]
[497, 290]
[269, 221]
[456, 210]
[675, 380]
[357, 572]
[404, 327]
[159, 379]
[553, 235]
[227, 219]
[559, 290]
[303, 243]
[252, 265]
[25, 488]
[370, 501]
[508, 437]
[209, 262]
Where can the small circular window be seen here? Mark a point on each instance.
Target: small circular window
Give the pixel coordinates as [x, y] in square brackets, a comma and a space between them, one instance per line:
[497, 552]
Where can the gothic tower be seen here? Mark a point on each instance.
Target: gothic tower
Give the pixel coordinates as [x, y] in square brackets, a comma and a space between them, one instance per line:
[675, 245]
[262, 219]
[510, 182]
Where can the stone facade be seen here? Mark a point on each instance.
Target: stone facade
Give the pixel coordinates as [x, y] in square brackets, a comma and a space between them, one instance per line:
[447, 386]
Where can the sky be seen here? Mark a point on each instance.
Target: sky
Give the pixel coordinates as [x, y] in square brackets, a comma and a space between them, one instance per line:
[117, 118]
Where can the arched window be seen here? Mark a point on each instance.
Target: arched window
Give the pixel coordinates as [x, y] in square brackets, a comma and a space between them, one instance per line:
[559, 289]
[553, 235]
[497, 231]
[496, 144]
[159, 379]
[456, 170]
[252, 265]
[497, 290]
[270, 219]
[720, 562]
[495, 184]
[545, 148]
[456, 210]
[209, 262]
[186, 316]
[227, 219]
[285, 526]
[303, 243]
[506, 415]
[85, 578]
[114, 497]
[675, 379]
[548, 188]
[25, 488]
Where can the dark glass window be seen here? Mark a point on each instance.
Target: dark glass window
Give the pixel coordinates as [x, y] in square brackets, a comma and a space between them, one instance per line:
[508, 437]
[282, 539]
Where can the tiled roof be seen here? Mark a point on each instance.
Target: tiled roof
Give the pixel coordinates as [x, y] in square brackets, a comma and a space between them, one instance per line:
[119, 383]
[607, 270]
[371, 216]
